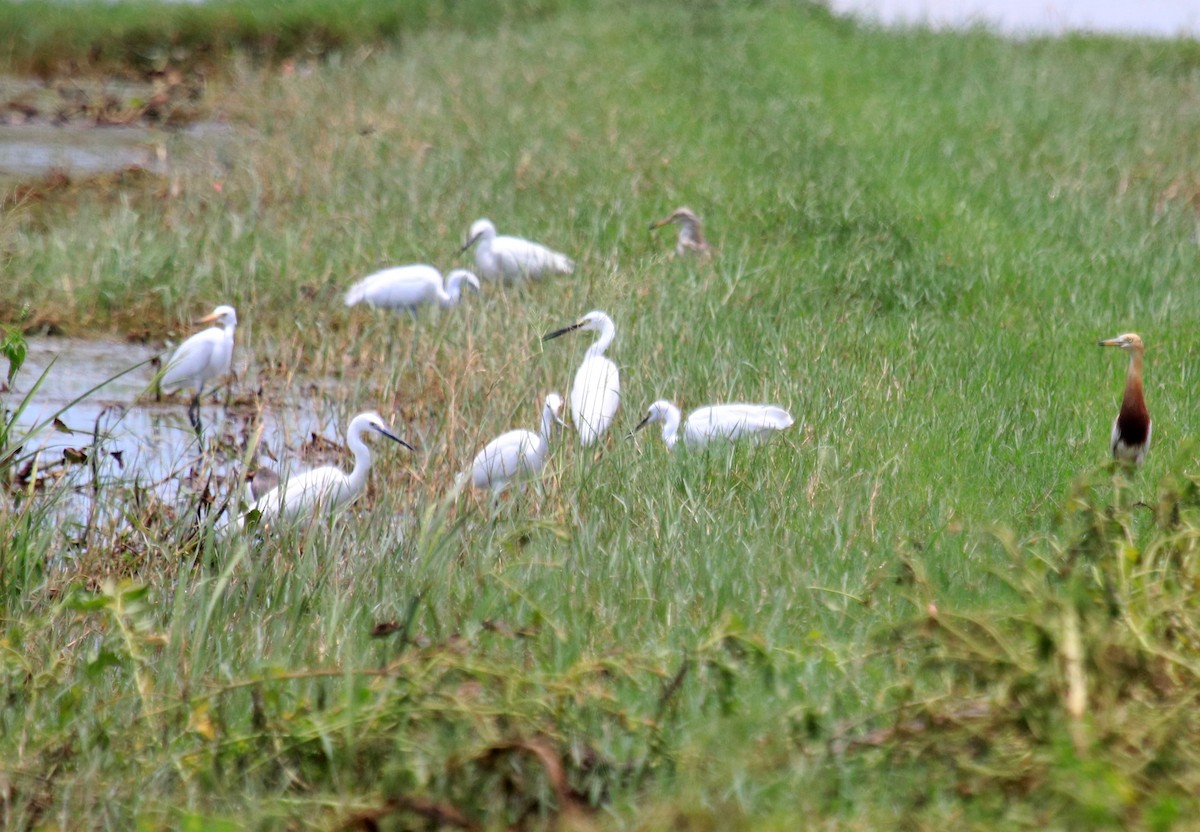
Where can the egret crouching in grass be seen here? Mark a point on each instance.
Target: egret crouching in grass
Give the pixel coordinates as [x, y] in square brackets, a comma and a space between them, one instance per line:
[691, 235]
[1131, 430]
[518, 454]
[512, 258]
[596, 393]
[718, 421]
[206, 355]
[410, 287]
[327, 488]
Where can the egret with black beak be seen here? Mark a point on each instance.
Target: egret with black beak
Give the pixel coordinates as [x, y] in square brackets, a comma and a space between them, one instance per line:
[596, 393]
[326, 488]
[717, 421]
[512, 258]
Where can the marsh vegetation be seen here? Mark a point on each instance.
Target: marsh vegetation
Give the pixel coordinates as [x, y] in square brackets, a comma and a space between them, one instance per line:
[929, 601]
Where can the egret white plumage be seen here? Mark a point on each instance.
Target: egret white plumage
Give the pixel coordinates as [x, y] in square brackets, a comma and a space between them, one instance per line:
[512, 258]
[410, 287]
[596, 393]
[691, 234]
[717, 421]
[206, 355]
[517, 454]
[327, 488]
[1132, 427]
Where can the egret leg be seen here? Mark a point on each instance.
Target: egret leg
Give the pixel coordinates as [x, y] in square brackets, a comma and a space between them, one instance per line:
[194, 413]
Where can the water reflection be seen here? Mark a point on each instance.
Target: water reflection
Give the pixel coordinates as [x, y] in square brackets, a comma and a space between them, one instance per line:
[120, 433]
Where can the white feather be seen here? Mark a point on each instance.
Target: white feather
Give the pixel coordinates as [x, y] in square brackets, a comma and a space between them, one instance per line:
[513, 258]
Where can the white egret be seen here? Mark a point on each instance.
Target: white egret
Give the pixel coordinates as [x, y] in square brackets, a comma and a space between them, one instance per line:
[596, 393]
[518, 454]
[328, 487]
[717, 421]
[1132, 428]
[691, 235]
[206, 355]
[410, 287]
[512, 258]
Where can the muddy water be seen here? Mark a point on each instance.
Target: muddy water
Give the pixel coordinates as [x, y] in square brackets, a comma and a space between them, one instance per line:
[127, 433]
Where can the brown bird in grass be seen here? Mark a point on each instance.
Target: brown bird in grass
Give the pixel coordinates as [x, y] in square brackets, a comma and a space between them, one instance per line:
[691, 235]
[1131, 430]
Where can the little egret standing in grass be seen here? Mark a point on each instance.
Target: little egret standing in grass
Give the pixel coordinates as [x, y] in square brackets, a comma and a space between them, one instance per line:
[518, 454]
[326, 488]
[596, 393]
[691, 235]
[717, 421]
[1131, 430]
[206, 355]
[512, 258]
[410, 287]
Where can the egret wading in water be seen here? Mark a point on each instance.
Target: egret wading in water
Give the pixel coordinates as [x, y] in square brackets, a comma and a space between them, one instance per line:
[717, 421]
[512, 258]
[518, 454]
[1131, 430]
[327, 488]
[206, 355]
[410, 287]
[691, 234]
[596, 393]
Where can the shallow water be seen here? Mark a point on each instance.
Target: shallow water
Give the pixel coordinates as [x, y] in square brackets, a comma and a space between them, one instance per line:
[126, 435]
[1156, 18]
[38, 149]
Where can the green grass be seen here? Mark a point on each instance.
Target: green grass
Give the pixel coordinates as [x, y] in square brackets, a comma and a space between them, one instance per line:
[140, 37]
[921, 237]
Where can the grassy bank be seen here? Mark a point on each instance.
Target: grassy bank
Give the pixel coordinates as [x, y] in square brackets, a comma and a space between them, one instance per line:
[920, 239]
[53, 39]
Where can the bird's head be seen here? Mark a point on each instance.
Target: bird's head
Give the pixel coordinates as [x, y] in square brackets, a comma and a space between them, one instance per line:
[375, 422]
[223, 315]
[479, 229]
[682, 216]
[595, 320]
[657, 412]
[554, 406]
[462, 276]
[1129, 341]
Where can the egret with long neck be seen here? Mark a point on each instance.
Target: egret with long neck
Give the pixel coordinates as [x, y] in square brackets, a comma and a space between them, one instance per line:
[717, 421]
[517, 454]
[1132, 427]
[329, 487]
[512, 258]
[410, 287]
[206, 355]
[596, 393]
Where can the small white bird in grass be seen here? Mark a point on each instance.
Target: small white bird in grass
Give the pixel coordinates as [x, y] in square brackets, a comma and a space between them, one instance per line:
[512, 258]
[410, 287]
[596, 393]
[326, 488]
[518, 454]
[691, 235]
[206, 355]
[718, 421]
